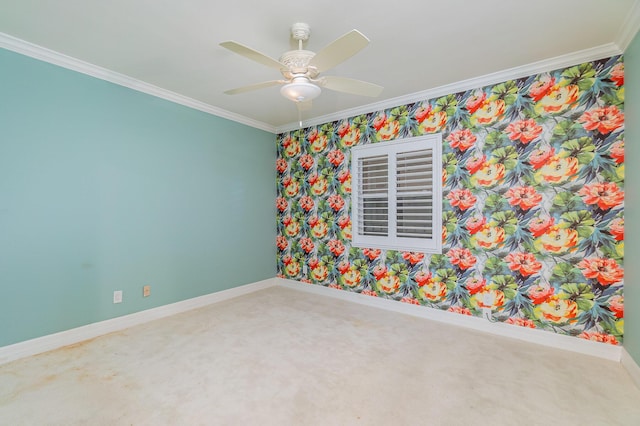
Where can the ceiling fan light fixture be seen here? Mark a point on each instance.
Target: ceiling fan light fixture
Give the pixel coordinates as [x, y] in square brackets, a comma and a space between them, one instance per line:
[300, 90]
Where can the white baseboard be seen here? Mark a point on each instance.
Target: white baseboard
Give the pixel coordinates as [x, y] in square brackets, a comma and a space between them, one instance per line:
[541, 337]
[90, 331]
[631, 366]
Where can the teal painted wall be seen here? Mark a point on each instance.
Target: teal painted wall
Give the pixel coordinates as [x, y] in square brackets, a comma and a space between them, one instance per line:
[632, 201]
[103, 188]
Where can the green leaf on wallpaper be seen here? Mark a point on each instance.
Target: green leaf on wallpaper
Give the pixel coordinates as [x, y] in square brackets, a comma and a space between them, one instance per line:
[494, 266]
[508, 156]
[582, 75]
[505, 219]
[565, 273]
[438, 261]
[582, 221]
[495, 203]
[448, 104]
[506, 91]
[581, 148]
[564, 130]
[566, 201]
[496, 139]
[448, 277]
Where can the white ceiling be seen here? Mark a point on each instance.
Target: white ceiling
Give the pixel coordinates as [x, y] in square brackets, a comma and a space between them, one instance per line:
[416, 45]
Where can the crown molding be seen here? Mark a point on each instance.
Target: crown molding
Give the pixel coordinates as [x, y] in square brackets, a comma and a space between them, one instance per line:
[629, 27]
[598, 52]
[47, 55]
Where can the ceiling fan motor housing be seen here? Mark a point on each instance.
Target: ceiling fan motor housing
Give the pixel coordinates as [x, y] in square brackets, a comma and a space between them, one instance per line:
[297, 62]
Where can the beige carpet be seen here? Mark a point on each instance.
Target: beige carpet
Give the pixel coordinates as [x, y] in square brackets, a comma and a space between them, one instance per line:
[286, 357]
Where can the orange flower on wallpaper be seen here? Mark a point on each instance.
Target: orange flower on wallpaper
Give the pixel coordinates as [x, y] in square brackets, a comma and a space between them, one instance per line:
[320, 273]
[281, 165]
[335, 157]
[616, 305]
[540, 293]
[306, 161]
[475, 224]
[489, 175]
[489, 237]
[371, 253]
[605, 195]
[541, 87]
[525, 264]
[461, 198]
[291, 146]
[475, 163]
[617, 74]
[475, 101]
[540, 225]
[559, 170]
[435, 291]
[281, 242]
[558, 240]
[459, 310]
[389, 131]
[388, 284]
[319, 229]
[558, 311]
[461, 257]
[335, 247]
[558, 99]
[412, 257]
[434, 121]
[422, 277]
[524, 197]
[351, 277]
[489, 113]
[522, 322]
[605, 271]
[461, 139]
[524, 130]
[617, 151]
[351, 138]
[306, 203]
[319, 144]
[541, 157]
[281, 204]
[605, 120]
[475, 284]
[599, 337]
[489, 298]
[616, 228]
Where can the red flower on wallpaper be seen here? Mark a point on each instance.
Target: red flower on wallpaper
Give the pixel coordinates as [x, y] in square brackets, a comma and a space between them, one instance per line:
[599, 337]
[490, 112]
[312, 136]
[343, 129]
[410, 300]
[461, 257]
[371, 253]
[525, 264]
[306, 244]
[281, 204]
[475, 284]
[605, 120]
[344, 221]
[475, 224]
[522, 322]
[461, 139]
[379, 122]
[344, 175]
[617, 74]
[379, 271]
[541, 87]
[605, 271]
[541, 157]
[524, 130]
[462, 198]
[306, 161]
[540, 293]
[343, 266]
[422, 113]
[313, 263]
[306, 203]
[475, 101]
[616, 228]
[412, 257]
[281, 165]
[616, 305]
[335, 157]
[459, 310]
[475, 163]
[422, 277]
[335, 247]
[605, 195]
[336, 202]
[540, 225]
[281, 242]
[524, 197]
[617, 151]
[559, 99]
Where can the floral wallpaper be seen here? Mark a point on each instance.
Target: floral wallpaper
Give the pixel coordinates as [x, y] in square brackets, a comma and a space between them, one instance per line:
[533, 192]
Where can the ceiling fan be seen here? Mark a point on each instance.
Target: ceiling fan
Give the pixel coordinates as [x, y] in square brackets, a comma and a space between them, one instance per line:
[301, 68]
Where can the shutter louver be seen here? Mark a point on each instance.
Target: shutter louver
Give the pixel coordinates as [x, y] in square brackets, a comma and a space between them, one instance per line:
[414, 194]
[374, 203]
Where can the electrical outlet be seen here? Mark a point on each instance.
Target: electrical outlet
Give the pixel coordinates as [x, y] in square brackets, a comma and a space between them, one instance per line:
[146, 291]
[117, 296]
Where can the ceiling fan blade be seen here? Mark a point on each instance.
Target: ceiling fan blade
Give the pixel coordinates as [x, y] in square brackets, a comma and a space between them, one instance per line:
[339, 50]
[254, 55]
[349, 85]
[256, 86]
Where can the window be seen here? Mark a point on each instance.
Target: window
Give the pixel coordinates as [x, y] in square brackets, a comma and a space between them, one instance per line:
[397, 194]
